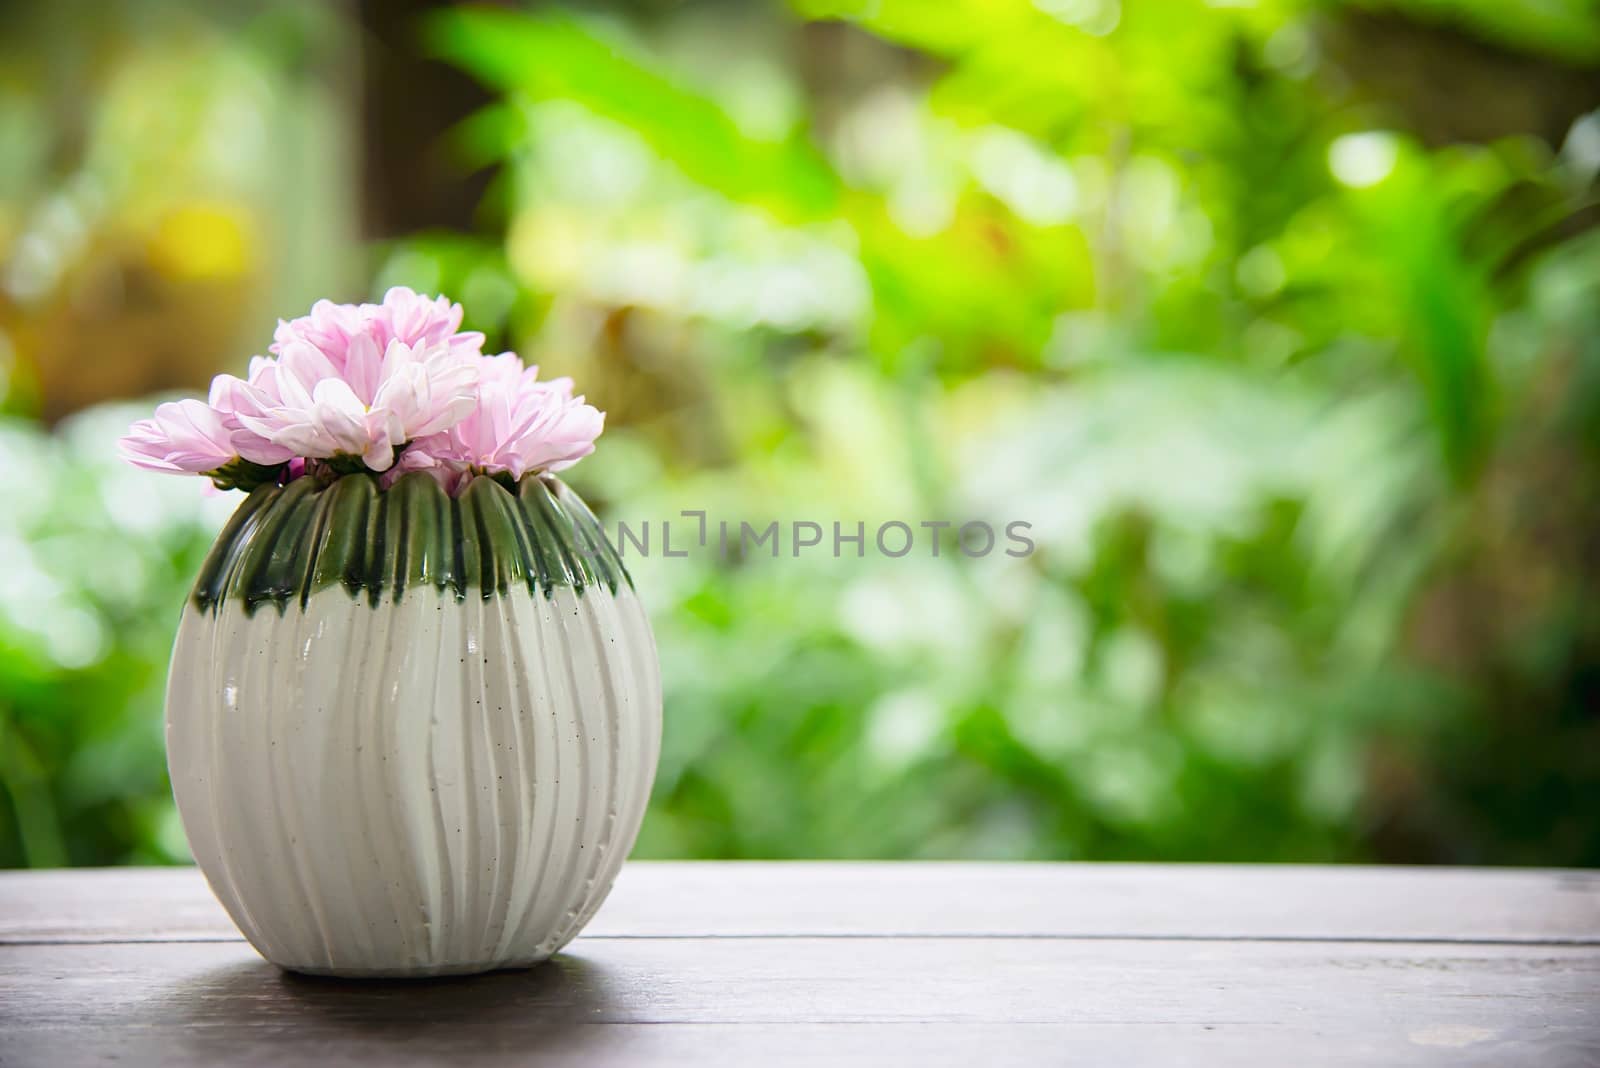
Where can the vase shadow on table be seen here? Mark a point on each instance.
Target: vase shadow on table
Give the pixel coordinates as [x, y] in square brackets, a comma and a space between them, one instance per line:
[543, 1008]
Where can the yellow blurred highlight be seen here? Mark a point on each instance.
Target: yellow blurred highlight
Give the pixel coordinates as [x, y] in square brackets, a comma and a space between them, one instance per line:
[548, 248]
[202, 241]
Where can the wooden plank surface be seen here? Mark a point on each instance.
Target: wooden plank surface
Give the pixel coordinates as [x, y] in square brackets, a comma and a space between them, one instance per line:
[709, 899]
[857, 964]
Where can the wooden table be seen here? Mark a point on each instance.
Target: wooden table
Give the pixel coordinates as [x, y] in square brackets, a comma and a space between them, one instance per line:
[829, 964]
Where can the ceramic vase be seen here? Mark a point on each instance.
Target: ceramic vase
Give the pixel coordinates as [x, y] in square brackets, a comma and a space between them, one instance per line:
[412, 734]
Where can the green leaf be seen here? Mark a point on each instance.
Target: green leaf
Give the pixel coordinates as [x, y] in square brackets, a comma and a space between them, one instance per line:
[557, 57]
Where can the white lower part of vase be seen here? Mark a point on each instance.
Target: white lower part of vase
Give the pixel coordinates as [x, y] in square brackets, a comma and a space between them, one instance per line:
[423, 787]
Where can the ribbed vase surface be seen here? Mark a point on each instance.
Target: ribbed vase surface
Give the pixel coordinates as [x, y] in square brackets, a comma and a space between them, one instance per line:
[412, 734]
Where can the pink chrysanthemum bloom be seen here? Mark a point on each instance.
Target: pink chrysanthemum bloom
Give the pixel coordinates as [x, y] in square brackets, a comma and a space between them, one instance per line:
[369, 405]
[352, 387]
[183, 437]
[403, 316]
[519, 424]
[192, 437]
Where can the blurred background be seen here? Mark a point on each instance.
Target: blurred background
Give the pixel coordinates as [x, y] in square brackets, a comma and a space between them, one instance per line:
[1277, 319]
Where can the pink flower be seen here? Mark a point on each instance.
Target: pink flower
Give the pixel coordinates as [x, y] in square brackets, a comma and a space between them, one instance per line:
[518, 425]
[184, 437]
[353, 387]
[328, 328]
[303, 405]
[403, 316]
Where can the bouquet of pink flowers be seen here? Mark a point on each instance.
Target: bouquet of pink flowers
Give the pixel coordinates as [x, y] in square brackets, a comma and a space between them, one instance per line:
[384, 388]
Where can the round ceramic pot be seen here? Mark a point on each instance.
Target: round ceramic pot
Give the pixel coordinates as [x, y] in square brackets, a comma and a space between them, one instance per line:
[411, 734]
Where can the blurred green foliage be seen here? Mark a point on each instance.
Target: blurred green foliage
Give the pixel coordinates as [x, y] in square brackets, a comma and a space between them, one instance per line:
[1300, 393]
[96, 565]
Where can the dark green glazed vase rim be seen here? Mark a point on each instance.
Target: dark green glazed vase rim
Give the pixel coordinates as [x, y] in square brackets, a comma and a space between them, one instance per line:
[287, 542]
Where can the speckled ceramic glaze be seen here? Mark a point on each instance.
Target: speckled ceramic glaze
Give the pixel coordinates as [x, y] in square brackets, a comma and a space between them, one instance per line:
[411, 734]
